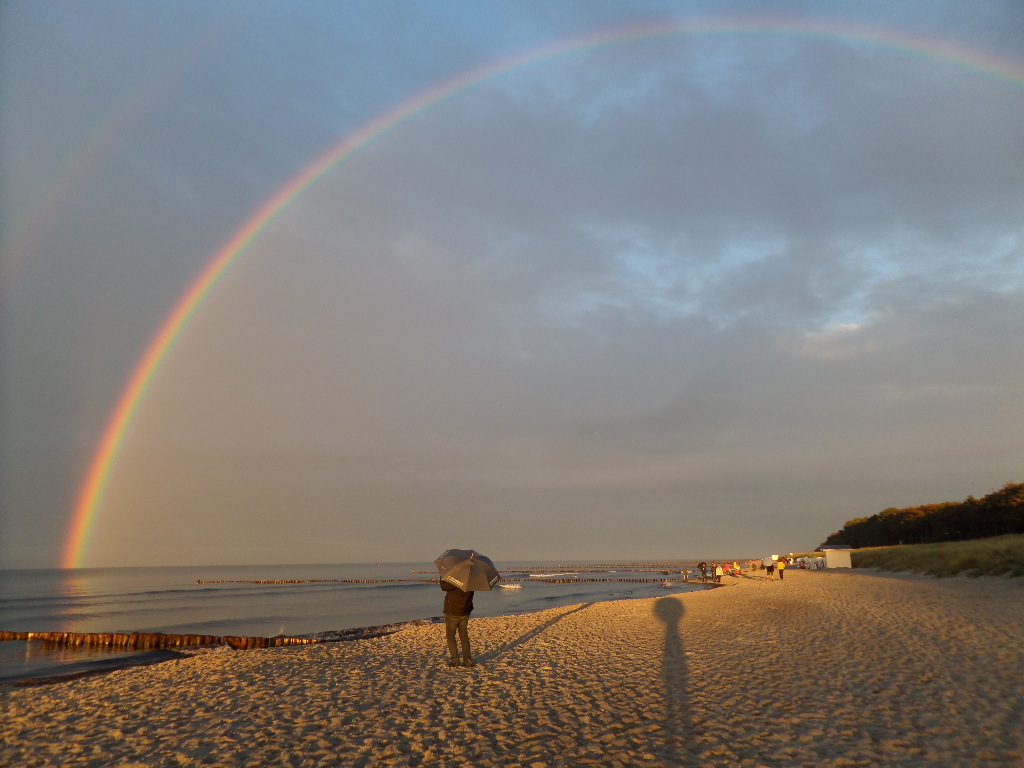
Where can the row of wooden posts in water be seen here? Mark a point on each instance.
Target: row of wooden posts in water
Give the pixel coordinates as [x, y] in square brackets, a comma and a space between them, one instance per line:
[152, 640]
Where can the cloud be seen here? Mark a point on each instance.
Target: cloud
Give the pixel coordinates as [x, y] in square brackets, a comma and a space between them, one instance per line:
[743, 286]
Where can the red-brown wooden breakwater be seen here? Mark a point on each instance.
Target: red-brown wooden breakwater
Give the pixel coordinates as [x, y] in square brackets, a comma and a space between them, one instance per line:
[152, 640]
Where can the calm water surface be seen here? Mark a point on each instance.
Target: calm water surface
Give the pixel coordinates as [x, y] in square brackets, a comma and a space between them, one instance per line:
[170, 600]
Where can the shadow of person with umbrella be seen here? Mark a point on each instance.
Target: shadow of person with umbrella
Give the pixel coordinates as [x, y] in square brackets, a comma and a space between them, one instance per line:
[680, 731]
[462, 572]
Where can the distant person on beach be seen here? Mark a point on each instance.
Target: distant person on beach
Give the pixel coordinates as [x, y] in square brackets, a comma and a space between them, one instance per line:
[769, 565]
[703, 571]
[457, 607]
[782, 569]
[719, 573]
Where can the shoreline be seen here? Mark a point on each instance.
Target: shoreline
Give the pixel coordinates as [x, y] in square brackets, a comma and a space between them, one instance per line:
[155, 647]
[80, 669]
[825, 668]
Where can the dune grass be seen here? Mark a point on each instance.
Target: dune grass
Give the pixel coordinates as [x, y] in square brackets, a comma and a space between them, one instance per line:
[996, 556]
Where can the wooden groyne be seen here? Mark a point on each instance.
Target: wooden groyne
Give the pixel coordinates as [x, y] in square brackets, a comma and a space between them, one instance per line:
[145, 641]
[152, 640]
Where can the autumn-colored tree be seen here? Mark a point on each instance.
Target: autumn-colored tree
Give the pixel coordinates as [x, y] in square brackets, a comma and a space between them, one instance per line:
[995, 514]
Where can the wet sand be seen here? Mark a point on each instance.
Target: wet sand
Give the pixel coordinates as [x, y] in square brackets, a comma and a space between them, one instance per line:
[841, 668]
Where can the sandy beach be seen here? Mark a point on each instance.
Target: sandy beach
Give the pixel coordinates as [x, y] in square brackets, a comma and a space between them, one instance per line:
[842, 668]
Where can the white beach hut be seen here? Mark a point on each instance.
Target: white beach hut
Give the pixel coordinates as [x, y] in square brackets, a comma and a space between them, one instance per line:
[837, 558]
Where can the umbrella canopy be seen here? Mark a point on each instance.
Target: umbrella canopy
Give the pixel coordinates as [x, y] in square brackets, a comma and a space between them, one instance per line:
[467, 569]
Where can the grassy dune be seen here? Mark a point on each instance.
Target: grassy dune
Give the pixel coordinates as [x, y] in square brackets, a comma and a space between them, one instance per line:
[996, 556]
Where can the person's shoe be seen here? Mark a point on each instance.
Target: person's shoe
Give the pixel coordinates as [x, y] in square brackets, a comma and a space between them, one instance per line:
[467, 663]
[453, 663]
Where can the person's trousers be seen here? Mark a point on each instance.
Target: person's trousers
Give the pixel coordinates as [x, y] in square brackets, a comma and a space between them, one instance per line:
[460, 624]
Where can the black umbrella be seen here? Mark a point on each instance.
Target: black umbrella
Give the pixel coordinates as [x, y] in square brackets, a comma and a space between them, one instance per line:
[467, 569]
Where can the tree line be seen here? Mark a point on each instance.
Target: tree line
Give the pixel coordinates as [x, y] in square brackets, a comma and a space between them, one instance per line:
[997, 513]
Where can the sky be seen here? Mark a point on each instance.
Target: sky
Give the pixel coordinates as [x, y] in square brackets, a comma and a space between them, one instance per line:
[301, 282]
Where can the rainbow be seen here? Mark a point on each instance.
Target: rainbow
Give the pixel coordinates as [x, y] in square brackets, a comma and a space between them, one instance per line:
[92, 489]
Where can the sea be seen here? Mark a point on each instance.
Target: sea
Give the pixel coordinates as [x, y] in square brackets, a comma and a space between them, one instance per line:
[306, 599]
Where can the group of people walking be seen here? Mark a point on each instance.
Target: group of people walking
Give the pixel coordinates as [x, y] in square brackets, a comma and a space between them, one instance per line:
[772, 565]
[716, 571]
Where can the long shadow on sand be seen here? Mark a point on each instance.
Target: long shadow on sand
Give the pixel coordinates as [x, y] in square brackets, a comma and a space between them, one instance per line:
[526, 637]
[680, 731]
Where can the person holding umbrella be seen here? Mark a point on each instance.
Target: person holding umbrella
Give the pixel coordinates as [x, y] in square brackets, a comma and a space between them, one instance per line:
[462, 572]
[458, 604]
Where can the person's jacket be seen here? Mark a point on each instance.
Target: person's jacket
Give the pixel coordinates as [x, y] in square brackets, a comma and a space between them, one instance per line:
[456, 602]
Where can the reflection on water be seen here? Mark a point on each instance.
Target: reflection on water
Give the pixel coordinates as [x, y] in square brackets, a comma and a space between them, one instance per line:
[73, 588]
[28, 651]
[36, 657]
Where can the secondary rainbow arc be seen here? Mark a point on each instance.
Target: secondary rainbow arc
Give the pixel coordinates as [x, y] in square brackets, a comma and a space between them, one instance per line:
[105, 456]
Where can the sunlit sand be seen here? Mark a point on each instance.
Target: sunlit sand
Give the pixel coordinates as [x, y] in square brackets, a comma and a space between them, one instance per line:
[822, 669]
